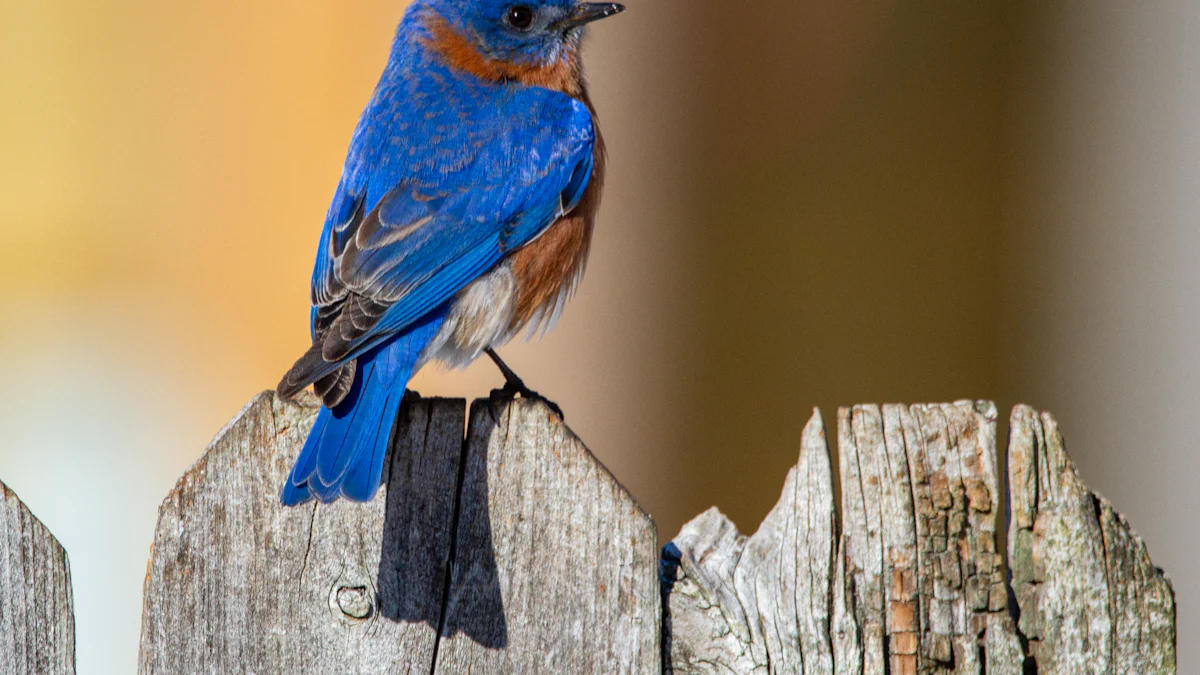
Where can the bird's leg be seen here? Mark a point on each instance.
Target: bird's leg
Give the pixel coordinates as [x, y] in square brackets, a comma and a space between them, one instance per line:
[512, 382]
[514, 386]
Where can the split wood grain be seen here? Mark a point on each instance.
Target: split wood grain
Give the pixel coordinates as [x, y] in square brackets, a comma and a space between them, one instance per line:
[37, 620]
[760, 604]
[934, 585]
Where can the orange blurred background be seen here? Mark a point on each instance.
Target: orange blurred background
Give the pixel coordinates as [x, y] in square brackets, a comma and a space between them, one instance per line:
[810, 203]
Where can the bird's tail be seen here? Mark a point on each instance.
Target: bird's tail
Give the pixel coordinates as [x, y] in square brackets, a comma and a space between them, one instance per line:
[345, 451]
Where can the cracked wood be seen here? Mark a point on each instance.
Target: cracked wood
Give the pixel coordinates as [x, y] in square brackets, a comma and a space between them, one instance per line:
[237, 583]
[1091, 599]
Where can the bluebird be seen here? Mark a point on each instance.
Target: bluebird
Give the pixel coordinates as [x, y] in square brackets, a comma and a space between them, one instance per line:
[463, 218]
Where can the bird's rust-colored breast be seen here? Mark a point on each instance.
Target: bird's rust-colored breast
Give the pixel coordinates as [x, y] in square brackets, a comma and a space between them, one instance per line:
[548, 269]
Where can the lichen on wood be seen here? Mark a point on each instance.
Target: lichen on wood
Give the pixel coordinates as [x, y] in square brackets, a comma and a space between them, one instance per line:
[1090, 598]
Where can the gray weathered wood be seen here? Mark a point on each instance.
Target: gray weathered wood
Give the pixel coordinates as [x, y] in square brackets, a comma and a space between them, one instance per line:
[553, 563]
[917, 583]
[37, 623]
[1091, 600]
[573, 587]
[936, 588]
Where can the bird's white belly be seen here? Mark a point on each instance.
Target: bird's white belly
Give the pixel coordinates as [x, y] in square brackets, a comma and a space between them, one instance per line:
[481, 317]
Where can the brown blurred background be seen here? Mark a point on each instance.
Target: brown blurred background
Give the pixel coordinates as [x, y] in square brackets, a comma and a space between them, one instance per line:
[811, 203]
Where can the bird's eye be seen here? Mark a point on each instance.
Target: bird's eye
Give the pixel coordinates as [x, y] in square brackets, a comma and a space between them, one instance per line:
[519, 17]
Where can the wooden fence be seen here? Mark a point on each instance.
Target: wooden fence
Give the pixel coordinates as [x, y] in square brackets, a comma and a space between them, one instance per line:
[513, 550]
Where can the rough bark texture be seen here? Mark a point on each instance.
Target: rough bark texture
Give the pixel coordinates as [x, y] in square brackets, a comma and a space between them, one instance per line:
[37, 623]
[917, 583]
[513, 551]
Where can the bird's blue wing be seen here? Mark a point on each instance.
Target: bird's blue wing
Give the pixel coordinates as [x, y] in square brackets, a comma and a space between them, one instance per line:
[383, 266]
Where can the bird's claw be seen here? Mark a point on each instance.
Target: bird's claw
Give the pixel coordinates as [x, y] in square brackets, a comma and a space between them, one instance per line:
[513, 389]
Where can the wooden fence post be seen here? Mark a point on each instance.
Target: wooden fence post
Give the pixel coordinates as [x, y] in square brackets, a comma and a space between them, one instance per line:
[37, 621]
[512, 550]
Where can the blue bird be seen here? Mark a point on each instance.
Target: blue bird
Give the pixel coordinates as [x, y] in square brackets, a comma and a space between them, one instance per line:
[463, 217]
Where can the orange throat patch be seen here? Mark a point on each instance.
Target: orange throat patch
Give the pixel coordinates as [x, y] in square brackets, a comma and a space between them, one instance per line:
[460, 53]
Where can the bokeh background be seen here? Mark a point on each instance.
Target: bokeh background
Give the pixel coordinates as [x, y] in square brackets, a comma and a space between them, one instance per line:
[811, 203]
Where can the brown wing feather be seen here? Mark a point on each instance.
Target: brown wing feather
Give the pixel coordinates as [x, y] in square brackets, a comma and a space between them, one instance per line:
[338, 329]
[334, 387]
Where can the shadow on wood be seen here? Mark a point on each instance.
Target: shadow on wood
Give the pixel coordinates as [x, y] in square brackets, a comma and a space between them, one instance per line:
[576, 558]
[425, 492]
[475, 606]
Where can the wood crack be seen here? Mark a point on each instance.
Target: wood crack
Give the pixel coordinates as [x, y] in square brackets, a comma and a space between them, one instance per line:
[453, 553]
[312, 519]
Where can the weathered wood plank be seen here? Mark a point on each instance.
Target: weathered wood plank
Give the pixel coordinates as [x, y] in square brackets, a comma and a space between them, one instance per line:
[573, 585]
[863, 524]
[844, 632]
[760, 604]
[554, 565]
[37, 621]
[237, 583]
[1090, 599]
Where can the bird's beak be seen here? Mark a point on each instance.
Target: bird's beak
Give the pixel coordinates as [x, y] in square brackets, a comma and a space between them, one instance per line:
[587, 12]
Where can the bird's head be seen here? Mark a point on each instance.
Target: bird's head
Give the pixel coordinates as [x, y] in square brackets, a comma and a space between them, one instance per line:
[513, 36]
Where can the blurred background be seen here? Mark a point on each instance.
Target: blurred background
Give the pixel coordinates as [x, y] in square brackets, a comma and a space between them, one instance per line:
[810, 203]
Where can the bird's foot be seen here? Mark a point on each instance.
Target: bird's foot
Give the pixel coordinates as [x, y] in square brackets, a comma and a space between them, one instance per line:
[511, 390]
